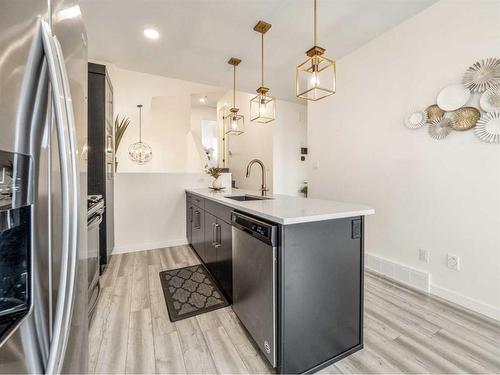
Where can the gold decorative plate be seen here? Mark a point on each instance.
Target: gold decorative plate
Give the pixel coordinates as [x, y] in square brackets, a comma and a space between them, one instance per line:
[433, 113]
[464, 118]
[440, 128]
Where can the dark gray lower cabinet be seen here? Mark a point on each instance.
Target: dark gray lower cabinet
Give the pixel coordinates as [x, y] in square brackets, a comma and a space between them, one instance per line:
[224, 268]
[211, 238]
[189, 221]
[210, 258]
[198, 231]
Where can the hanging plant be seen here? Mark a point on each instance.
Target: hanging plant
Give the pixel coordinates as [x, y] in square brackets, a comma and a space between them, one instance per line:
[120, 129]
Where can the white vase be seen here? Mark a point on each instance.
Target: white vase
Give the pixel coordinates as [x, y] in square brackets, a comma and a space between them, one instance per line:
[217, 183]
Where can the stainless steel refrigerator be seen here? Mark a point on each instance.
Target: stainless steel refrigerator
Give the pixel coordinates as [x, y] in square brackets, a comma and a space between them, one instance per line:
[43, 187]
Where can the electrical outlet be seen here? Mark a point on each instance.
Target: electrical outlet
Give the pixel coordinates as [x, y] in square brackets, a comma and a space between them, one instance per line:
[424, 255]
[453, 262]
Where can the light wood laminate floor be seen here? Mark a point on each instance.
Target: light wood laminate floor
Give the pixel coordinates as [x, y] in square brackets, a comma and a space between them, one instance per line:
[405, 331]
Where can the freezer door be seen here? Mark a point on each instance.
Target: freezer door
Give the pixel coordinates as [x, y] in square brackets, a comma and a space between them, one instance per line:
[23, 116]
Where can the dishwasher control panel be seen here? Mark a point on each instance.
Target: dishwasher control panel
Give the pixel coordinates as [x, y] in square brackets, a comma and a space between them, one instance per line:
[256, 227]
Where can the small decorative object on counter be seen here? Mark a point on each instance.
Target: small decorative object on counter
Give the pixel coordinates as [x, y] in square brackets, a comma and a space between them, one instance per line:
[488, 128]
[215, 172]
[482, 75]
[464, 118]
[433, 112]
[120, 129]
[416, 119]
[440, 128]
[303, 189]
[490, 100]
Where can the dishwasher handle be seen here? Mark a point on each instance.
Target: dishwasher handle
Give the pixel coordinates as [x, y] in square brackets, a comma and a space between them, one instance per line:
[262, 230]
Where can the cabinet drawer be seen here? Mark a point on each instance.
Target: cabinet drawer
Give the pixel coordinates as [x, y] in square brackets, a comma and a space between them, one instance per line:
[219, 210]
[196, 200]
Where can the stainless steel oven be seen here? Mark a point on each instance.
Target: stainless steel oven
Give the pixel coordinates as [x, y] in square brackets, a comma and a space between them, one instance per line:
[94, 220]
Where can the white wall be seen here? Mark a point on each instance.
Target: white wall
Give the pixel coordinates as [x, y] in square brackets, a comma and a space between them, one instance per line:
[442, 196]
[150, 209]
[277, 144]
[289, 135]
[170, 100]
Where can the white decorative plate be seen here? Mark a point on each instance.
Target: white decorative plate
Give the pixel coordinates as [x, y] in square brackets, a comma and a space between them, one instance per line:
[490, 100]
[416, 119]
[440, 128]
[488, 127]
[482, 75]
[453, 97]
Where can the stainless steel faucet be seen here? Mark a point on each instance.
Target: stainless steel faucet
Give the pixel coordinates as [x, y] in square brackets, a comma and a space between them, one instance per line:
[264, 188]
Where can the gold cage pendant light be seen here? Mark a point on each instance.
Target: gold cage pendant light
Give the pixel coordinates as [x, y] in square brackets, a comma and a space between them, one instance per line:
[262, 106]
[234, 123]
[316, 77]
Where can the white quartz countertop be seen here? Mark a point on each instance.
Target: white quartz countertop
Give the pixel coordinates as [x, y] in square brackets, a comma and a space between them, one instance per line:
[284, 209]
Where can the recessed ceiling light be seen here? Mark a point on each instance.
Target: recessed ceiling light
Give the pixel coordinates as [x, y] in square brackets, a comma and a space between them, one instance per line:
[151, 33]
[203, 100]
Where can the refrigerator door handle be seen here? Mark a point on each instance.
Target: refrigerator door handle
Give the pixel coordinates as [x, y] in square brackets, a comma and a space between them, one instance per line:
[64, 120]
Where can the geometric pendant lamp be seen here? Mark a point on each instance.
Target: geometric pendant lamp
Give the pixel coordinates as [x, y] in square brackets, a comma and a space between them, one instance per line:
[316, 77]
[140, 152]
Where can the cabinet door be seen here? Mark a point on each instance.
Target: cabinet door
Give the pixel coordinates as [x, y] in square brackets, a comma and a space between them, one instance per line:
[224, 246]
[198, 232]
[210, 251]
[189, 222]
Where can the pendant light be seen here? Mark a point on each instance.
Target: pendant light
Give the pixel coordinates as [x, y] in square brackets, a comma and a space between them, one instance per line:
[140, 152]
[315, 77]
[262, 107]
[234, 123]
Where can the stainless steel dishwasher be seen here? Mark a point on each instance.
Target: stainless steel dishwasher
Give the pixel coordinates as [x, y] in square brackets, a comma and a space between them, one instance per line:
[254, 279]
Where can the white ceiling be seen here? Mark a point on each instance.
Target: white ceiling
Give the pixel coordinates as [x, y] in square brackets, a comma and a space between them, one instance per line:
[197, 37]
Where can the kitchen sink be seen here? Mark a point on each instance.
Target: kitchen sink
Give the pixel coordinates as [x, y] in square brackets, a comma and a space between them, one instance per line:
[246, 197]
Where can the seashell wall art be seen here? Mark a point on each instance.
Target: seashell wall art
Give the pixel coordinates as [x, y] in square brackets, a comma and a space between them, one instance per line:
[451, 113]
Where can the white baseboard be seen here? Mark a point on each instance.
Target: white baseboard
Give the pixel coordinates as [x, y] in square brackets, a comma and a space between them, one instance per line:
[421, 280]
[149, 246]
[467, 302]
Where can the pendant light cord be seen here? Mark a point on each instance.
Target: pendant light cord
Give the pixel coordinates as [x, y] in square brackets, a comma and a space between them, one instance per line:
[262, 59]
[315, 27]
[140, 124]
[234, 86]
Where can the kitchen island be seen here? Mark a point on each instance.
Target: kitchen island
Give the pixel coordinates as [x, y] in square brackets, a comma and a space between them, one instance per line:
[312, 278]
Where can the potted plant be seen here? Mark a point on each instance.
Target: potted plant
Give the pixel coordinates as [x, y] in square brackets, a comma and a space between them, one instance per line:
[215, 172]
[120, 128]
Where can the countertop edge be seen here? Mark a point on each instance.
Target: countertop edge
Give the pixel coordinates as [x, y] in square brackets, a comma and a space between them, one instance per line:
[285, 221]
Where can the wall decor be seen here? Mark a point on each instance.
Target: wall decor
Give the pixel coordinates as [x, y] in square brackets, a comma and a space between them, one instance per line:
[453, 97]
[416, 119]
[488, 127]
[490, 100]
[433, 112]
[464, 118]
[440, 128]
[482, 75]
